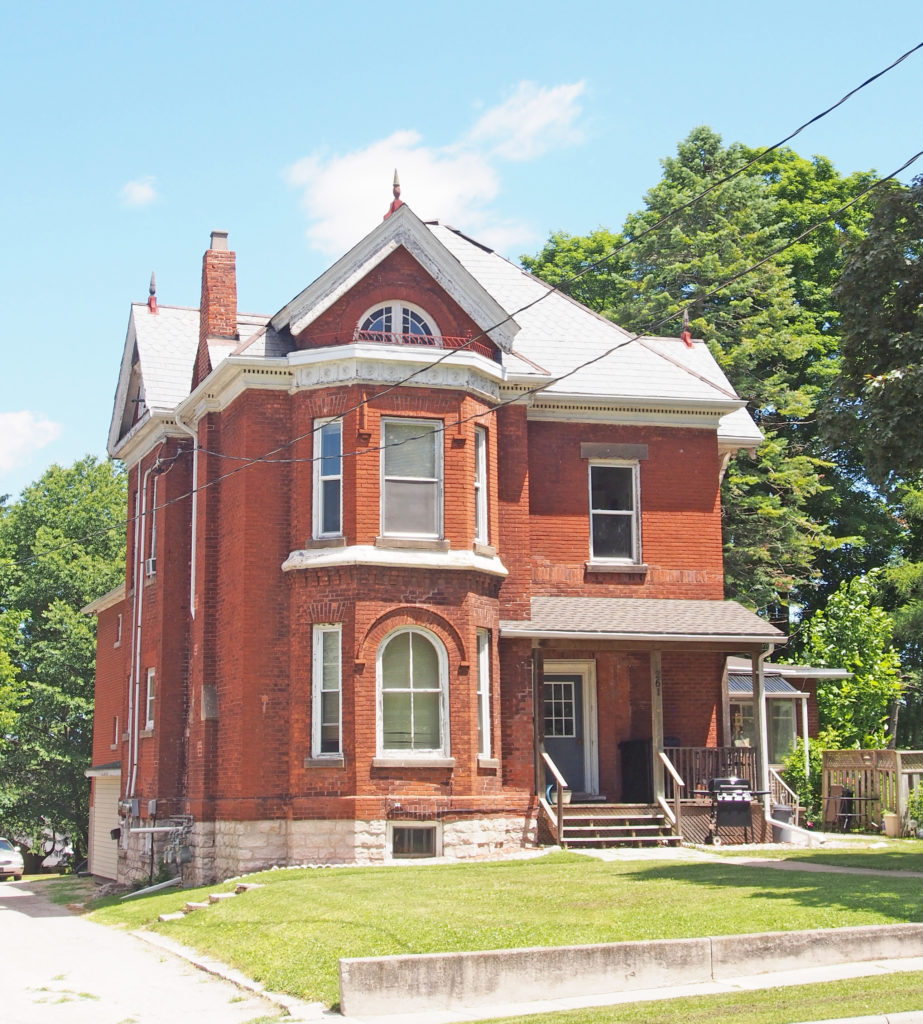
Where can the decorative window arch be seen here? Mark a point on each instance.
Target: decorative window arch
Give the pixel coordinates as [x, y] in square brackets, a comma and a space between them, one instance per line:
[412, 670]
[397, 322]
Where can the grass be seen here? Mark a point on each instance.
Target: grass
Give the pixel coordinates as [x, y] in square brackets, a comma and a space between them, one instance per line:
[895, 855]
[291, 934]
[893, 993]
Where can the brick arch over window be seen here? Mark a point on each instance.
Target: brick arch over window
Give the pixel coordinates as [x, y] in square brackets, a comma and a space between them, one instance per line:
[422, 618]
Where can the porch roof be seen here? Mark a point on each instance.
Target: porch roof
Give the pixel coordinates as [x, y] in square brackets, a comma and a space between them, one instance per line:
[642, 618]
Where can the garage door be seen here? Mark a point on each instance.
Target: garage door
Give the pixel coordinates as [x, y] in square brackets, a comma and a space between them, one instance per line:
[104, 816]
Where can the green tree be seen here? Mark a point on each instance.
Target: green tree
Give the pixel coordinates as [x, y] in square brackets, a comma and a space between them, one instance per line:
[880, 296]
[855, 633]
[774, 330]
[61, 545]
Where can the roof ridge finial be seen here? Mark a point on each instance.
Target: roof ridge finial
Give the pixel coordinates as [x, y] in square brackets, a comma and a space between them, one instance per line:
[152, 294]
[397, 202]
[686, 336]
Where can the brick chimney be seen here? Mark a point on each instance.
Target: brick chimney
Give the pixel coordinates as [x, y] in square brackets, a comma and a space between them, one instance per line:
[218, 308]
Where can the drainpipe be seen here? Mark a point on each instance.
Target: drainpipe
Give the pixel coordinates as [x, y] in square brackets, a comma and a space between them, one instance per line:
[804, 733]
[134, 722]
[195, 510]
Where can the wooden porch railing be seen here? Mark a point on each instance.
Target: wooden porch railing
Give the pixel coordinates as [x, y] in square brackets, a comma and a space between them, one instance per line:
[697, 766]
[559, 786]
[674, 816]
[781, 793]
[859, 786]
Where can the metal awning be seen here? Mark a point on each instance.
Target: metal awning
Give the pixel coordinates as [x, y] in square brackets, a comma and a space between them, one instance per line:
[644, 619]
[740, 684]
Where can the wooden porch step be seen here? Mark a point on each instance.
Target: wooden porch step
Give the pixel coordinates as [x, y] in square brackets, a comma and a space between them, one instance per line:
[662, 839]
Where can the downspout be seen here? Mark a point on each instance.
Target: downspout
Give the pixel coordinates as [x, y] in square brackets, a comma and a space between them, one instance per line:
[134, 626]
[195, 510]
[804, 733]
[134, 723]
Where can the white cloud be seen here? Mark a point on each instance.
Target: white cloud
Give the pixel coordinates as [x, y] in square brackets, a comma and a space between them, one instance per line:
[140, 192]
[532, 121]
[21, 434]
[344, 194]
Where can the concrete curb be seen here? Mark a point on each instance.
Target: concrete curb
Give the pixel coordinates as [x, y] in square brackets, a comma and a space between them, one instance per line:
[432, 982]
[910, 1017]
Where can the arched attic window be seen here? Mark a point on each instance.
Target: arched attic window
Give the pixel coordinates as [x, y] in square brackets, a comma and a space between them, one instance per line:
[397, 323]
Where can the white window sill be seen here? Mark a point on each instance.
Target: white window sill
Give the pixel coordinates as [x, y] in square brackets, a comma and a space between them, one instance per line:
[412, 543]
[325, 542]
[396, 761]
[146, 733]
[427, 557]
[489, 763]
[325, 761]
[623, 567]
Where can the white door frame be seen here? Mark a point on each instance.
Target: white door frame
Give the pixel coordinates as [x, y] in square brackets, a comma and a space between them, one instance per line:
[586, 670]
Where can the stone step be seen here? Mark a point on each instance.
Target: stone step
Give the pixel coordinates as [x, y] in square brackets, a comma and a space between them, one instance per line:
[219, 897]
[190, 907]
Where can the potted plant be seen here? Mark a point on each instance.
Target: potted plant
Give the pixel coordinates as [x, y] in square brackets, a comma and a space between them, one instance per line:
[890, 822]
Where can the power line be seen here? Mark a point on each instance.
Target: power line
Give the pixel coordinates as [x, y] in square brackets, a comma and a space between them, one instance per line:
[519, 397]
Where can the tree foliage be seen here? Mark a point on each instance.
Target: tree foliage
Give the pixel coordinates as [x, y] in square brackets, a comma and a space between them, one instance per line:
[62, 545]
[880, 295]
[855, 633]
[773, 329]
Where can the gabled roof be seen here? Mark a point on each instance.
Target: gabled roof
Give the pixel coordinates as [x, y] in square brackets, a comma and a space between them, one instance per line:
[158, 359]
[556, 334]
[401, 228]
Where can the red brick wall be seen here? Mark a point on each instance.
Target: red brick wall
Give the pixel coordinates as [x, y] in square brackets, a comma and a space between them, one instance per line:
[398, 276]
[680, 512]
[112, 658]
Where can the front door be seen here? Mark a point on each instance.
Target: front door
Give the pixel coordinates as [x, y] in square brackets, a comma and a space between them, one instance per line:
[564, 728]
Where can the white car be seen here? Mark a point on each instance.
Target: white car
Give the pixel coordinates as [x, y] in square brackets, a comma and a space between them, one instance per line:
[10, 861]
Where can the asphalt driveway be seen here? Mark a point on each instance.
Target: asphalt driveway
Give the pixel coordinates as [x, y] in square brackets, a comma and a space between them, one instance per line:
[59, 968]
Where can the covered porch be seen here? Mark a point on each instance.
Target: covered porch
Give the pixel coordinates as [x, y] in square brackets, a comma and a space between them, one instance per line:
[628, 721]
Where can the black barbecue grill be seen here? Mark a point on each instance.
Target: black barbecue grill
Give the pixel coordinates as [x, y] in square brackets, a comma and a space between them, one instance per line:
[731, 805]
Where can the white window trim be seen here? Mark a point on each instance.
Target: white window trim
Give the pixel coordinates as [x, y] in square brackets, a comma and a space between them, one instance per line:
[317, 691]
[392, 825]
[150, 696]
[481, 522]
[587, 672]
[118, 631]
[318, 479]
[635, 514]
[483, 692]
[443, 660]
[438, 433]
[397, 316]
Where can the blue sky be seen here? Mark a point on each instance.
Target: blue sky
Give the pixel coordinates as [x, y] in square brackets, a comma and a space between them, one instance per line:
[134, 130]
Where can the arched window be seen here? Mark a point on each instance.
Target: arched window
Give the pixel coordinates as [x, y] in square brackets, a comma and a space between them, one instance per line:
[397, 323]
[412, 677]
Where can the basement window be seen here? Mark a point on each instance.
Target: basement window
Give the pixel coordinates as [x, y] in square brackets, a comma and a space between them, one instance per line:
[414, 839]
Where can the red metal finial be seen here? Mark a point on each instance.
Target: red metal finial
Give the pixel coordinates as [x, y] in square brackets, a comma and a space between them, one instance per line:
[397, 202]
[152, 294]
[686, 336]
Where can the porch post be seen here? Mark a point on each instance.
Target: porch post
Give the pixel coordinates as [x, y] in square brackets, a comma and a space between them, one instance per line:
[538, 713]
[657, 723]
[762, 733]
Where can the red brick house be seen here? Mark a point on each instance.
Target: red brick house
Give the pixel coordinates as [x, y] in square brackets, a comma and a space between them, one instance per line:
[394, 547]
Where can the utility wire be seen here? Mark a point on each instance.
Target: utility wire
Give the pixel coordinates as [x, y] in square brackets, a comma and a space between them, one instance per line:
[163, 464]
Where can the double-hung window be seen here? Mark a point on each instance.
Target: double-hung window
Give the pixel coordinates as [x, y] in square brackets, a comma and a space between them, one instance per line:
[327, 702]
[484, 693]
[149, 699]
[328, 479]
[412, 689]
[614, 512]
[411, 478]
[480, 485]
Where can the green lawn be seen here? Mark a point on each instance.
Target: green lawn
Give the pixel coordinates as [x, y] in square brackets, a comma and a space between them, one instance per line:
[893, 993]
[291, 934]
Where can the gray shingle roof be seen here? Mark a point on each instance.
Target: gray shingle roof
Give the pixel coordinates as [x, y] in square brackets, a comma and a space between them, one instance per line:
[633, 617]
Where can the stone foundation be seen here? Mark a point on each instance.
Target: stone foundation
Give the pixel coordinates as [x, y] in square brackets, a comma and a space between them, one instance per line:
[226, 849]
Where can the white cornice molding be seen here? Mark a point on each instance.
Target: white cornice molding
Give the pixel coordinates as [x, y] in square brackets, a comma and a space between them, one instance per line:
[155, 425]
[402, 228]
[400, 558]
